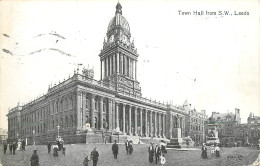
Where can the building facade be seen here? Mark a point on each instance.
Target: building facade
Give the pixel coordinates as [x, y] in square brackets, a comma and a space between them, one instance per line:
[114, 103]
[195, 123]
[3, 135]
[226, 125]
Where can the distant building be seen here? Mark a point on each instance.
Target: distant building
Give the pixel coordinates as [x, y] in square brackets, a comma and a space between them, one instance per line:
[253, 129]
[3, 135]
[226, 124]
[195, 123]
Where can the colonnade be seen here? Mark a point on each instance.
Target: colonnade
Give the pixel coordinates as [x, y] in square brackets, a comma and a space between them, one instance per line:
[118, 63]
[106, 113]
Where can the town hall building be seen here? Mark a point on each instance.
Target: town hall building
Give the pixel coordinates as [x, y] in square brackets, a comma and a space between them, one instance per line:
[113, 104]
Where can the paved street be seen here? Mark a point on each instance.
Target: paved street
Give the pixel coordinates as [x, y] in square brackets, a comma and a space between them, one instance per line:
[75, 155]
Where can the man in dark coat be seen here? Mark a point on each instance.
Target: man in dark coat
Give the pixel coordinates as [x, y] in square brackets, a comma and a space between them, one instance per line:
[23, 145]
[157, 152]
[204, 151]
[34, 159]
[5, 147]
[115, 149]
[49, 147]
[151, 152]
[11, 147]
[94, 156]
[127, 146]
[14, 147]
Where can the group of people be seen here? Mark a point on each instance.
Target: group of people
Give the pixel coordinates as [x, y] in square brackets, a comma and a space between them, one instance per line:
[129, 147]
[215, 151]
[57, 146]
[93, 156]
[158, 152]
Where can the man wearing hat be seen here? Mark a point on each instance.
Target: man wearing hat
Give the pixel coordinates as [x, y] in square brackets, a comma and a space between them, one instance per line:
[94, 156]
[35, 158]
[151, 152]
[115, 149]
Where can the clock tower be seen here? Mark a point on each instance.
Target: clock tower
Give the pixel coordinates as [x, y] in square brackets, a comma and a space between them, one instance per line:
[119, 56]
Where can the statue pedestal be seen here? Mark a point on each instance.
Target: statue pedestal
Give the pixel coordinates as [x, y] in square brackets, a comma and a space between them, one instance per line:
[176, 141]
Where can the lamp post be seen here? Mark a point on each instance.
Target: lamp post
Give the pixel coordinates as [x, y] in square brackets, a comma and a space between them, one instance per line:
[58, 130]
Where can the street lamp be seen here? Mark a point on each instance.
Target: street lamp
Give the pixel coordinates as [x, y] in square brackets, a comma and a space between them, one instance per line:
[58, 130]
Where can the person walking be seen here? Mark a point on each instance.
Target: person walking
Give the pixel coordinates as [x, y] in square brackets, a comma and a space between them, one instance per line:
[5, 147]
[151, 152]
[204, 151]
[86, 160]
[115, 149]
[49, 147]
[55, 151]
[94, 156]
[14, 147]
[63, 149]
[127, 146]
[217, 149]
[11, 147]
[157, 151]
[35, 158]
[23, 145]
[130, 147]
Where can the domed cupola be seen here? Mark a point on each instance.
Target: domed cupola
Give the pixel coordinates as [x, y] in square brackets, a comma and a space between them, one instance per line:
[118, 25]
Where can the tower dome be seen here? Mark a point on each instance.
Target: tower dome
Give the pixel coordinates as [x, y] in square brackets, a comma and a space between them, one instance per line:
[118, 21]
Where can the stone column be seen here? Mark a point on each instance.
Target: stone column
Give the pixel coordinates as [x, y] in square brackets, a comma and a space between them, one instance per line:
[117, 62]
[121, 63]
[135, 111]
[155, 124]
[160, 124]
[92, 111]
[79, 109]
[141, 121]
[83, 108]
[101, 113]
[117, 116]
[110, 114]
[130, 120]
[151, 123]
[146, 124]
[107, 66]
[171, 126]
[135, 70]
[114, 63]
[123, 118]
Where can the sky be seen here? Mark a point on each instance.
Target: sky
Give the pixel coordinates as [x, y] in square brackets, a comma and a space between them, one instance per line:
[210, 60]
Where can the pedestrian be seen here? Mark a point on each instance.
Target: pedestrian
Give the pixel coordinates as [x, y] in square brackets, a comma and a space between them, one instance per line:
[94, 156]
[11, 147]
[5, 147]
[35, 158]
[23, 145]
[151, 152]
[86, 160]
[204, 151]
[115, 149]
[130, 147]
[55, 151]
[217, 151]
[49, 147]
[14, 147]
[127, 146]
[63, 150]
[157, 151]
[212, 150]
